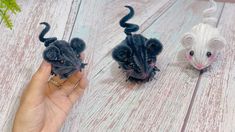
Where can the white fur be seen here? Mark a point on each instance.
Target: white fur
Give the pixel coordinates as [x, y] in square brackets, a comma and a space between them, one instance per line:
[203, 38]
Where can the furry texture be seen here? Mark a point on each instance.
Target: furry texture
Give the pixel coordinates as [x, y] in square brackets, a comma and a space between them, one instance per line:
[64, 56]
[204, 41]
[136, 55]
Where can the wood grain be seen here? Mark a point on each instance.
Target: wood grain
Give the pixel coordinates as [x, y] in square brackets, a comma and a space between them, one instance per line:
[71, 19]
[178, 99]
[214, 107]
[21, 51]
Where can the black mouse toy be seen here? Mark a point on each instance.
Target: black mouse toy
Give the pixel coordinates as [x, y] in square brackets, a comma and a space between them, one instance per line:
[63, 56]
[136, 55]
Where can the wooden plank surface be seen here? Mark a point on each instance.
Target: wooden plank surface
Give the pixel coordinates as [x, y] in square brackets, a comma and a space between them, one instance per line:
[21, 51]
[75, 7]
[112, 104]
[214, 105]
[178, 100]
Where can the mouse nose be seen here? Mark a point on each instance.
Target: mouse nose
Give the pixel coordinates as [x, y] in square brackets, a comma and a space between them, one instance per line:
[199, 66]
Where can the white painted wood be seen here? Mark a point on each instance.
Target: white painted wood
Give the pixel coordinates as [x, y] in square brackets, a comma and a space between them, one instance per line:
[110, 103]
[71, 19]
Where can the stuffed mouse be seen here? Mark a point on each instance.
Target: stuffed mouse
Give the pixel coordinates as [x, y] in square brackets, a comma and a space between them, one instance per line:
[203, 42]
[136, 55]
[63, 56]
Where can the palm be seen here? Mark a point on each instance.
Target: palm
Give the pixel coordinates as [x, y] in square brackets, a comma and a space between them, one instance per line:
[47, 110]
[51, 111]
[55, 107]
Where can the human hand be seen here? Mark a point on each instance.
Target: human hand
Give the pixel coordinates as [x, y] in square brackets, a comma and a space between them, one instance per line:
[45, 105]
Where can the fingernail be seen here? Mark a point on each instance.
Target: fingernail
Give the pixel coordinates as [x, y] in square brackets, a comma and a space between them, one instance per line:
[44, 65]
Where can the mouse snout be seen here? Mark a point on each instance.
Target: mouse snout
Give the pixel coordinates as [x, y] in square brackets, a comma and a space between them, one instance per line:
[199, 66]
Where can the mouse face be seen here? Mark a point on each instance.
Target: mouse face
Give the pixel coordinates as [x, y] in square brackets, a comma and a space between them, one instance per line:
[136, 55]
[200, 59]
[64, 57]
[203, 44]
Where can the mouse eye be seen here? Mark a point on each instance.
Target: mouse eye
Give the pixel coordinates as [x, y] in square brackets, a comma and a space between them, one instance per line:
[191, 53]
[208, 54]
[149, 61]
[62, 61]
[78, 55]
[131, 65]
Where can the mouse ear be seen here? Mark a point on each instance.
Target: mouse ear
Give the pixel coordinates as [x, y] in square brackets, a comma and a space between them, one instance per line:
[154, 47]
[188, 40]
[51, 53]
[78, 45]
[121, 53]
[217, 43]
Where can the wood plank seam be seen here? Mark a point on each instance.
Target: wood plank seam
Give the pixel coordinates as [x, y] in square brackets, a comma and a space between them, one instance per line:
[70, 15]
[150, 22]
[220, 15]
[197, 84]
[191, 104]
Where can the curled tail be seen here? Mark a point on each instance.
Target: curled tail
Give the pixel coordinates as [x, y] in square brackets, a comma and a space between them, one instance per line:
[129, 28]
[47, 41]
[208, 14]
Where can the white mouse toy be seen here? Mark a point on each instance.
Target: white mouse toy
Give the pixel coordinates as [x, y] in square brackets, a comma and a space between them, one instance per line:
[203, 43]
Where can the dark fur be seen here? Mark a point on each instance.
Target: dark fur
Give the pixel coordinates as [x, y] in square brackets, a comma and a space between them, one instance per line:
[136, 54]
[63, 56]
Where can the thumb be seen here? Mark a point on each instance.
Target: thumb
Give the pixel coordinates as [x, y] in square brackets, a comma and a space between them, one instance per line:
[43, 73]
[39, 82]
